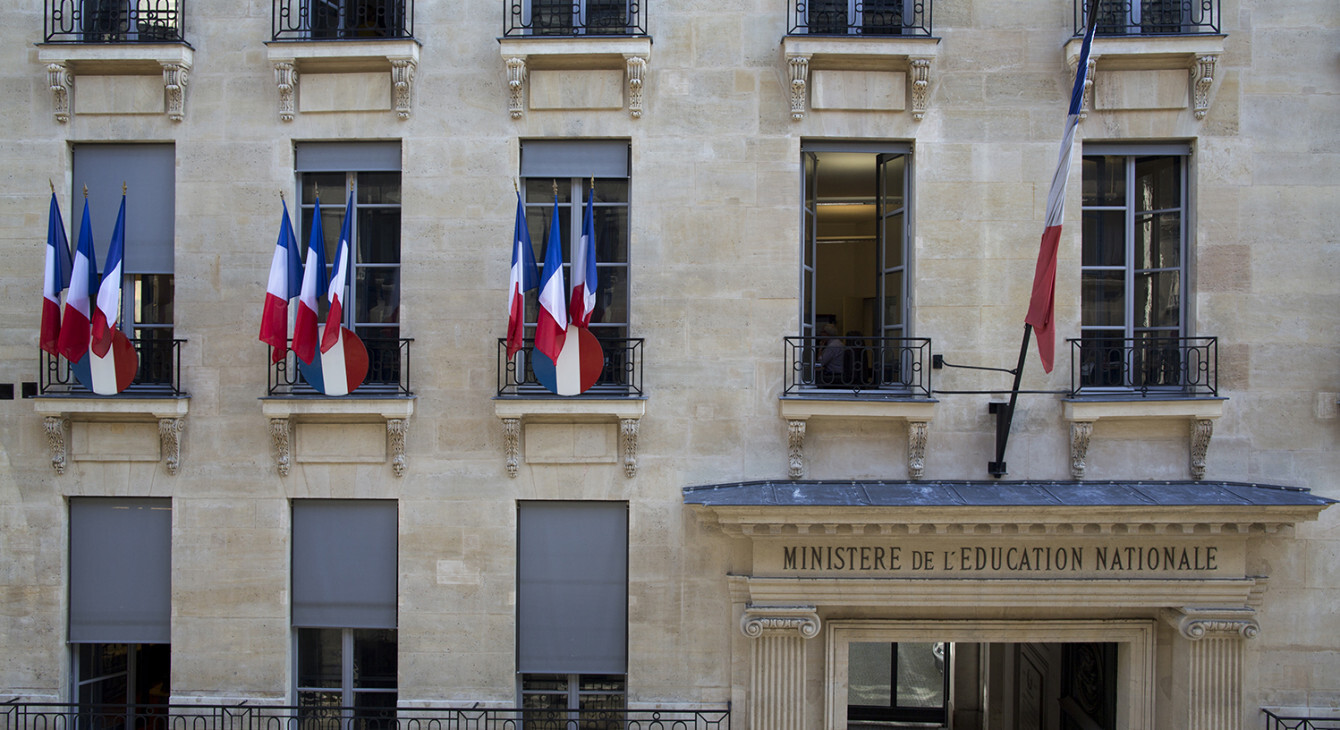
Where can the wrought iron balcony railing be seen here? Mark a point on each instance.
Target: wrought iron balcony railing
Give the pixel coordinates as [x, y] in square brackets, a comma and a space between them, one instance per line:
[113, 21]
[1177, 367]
[343, 20]
[1280, 722]
[860, 17]
[388, 371]
[869, 367]
[621, 377]
[43, 716]
[159, 373]
[574, 18]
[1151, 17]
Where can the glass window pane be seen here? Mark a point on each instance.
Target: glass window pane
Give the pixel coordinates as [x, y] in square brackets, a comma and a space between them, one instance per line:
[1158, 241]
[1157, 298]
[1104, 238]
[870, 674]
[537, 220]
[102, 660]
[921, 679]
[610, 190]
[378, 295]
[378, 235]
[612, 297]
[1158, 183]
[611, 227]
[151, 296]
[374, 658]
[893, 300]
[319, 659]
[1102, 359]
[1104, 180]
[541, 190]
[893, 241]
[329, 184]
[892, 170]
[378, 188]
[1102, 296]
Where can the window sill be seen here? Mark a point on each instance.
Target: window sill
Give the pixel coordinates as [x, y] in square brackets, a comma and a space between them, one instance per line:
[1149, 73]
[571, 430]
[114, 429]
[1083, 413]
[339, 430]
[345, 76]
[108, 71]
[613, 69]
[917, 413]
[859, 73]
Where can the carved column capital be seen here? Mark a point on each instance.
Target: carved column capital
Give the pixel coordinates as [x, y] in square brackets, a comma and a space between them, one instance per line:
[1201, 431]
[916, 448]
[396, 430]
[60, 80]
[628, 435]
[1080, 431]
[169, 432]
[794, 621]
[286, 77]
[516, 86]
[55, 427]
[1202, 78]
[637, 71]
[920, 66]
[796, 448]
[511, 440]
[175, 76]
[402, 85]
[1198, 624]
[279, 435]
[799, 68]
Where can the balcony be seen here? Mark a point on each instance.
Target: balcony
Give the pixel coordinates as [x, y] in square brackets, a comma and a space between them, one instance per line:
[345, 20]
[113, 21]
[1151, 17]
[621, 377]
[159, 374]
[573, 18]
[388, 372]
[1158, 368]
[1294, 722]
[860, 17]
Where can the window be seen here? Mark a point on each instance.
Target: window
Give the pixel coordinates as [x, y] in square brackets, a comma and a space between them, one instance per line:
[897, 682]
[372, 172]
[113, 21]
[148, 173]
[854, 284]
[865, 17]
[356, 18]
[577, 17]
[1142, 17]
[570, 166]
[120, 605]
[572, 607]
[344, 609]
[1133, 265]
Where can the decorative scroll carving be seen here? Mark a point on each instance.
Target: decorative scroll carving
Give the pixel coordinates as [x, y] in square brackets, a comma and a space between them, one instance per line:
[637, 71]
[286, 77]
[175, 76]
[628, 435]
[511, 439]
[796, 448]
[1198, 628]
[799, 621]
[777, 664]
[58, 76]
[55, 427]
[396, 429]
[921, 86]
[916, 448]
[1201, 430]
[1080, 431]
[402, 84]
[800, 73]
[516, 86]
[1086, 102]
[1214, 653]
[279, 434]
[1202, 77]
[169, 434]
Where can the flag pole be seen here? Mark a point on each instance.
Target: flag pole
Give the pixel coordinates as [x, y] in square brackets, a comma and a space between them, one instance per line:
[1005, 411]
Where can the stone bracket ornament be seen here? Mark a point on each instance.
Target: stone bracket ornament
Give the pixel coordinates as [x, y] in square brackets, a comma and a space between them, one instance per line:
[516, 87]
[799, 72]
[637, 71]
[1201, 413]
[61, 81]
[1201, 431]
[916, 448]
[398, 59]
[56, 426]
[794, 621]
[1198, 54]
[175, 76]
[169, 433]
[1080, 431]
[907, 59]
[176, 69]
[286, 78]
[396, 430]
[1202, 78]
[916, 413]
[59, 415]
[512, 444]
[628, 440]
[402, 85]
[572, 57]
[795, 440]
[284, 414]
[280, 434]
[920, 68]
[517, 412]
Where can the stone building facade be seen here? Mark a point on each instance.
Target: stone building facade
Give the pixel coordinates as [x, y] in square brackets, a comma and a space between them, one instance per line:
[797, 497]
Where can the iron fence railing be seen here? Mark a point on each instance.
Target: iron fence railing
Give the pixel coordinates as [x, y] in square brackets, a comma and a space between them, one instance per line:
[45, 716]
[356, 20]
[620, 378]
[1151, 17]
[574, 18]
[1184, 367]
[112, 21]
[1282, 722]
[860, 17]
[877, 367]
[159, 372]
[388, 371]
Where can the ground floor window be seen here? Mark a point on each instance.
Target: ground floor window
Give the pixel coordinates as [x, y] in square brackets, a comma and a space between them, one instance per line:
[897, 681]
[121, 674]
[347, 668]
[592, 700]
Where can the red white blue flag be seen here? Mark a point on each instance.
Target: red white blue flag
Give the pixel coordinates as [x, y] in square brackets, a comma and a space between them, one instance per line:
[339, 281]
[107, 311]
[577, 367]
[75, 325]
[285, 284]
[1042, 303]
[305, 336]
[56, 277]
[584, 282]
[524, 277]
[552, 326]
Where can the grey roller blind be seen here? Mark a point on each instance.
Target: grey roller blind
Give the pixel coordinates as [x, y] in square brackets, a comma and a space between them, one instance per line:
[1137, 148]
[574, 158]
[347, 157]
[120, 571]
[149, 172]
[344, 563]
[572, 587]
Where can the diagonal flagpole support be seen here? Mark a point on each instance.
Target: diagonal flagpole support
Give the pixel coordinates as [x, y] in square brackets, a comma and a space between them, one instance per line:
[1005, 411]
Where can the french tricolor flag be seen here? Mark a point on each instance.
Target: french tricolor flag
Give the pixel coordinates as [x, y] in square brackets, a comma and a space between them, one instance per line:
[313, 287]
[552, 327]
[107, 311]
[285, 284]
[56, 278]
[74, 329]
[584, 282]
[339, 281]
[524, 277]
[1042, 304]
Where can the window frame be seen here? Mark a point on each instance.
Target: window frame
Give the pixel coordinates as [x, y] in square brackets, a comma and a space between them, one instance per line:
[895, 712]
[856, 14]
[580, 22]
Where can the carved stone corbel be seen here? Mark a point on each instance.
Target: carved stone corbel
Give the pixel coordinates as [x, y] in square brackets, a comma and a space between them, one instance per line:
[402, 85]
[175, 76]
[511, 441]
[516, 86]
[796, 448]
[1080, 431]
[286, 77]
[916, 448]
[637, 70]
[60, 80]
[396, 429]
[799, 66]
[55, 427]
[279, 435]
[920, 67]
[1202, 78]
[628, 435]
[1201, 431]
[169, 434]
